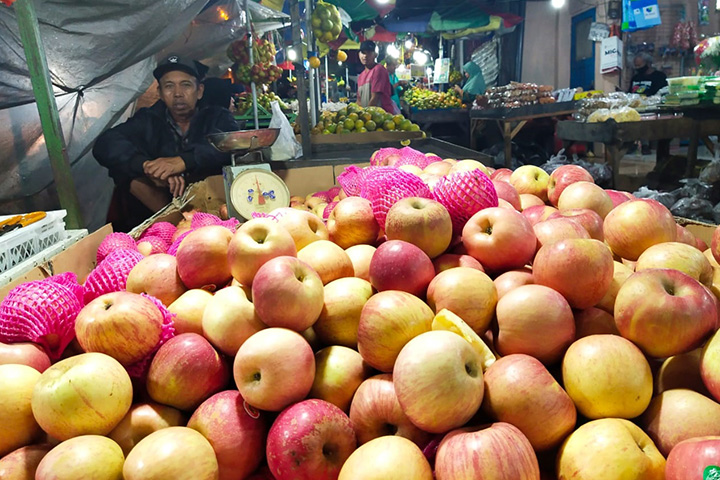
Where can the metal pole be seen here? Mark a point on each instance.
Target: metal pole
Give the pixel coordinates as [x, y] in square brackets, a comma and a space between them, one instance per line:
[252, 62]
[48, 111]
[347, 83]
[314, 100]
[327, 81]
[303, 117]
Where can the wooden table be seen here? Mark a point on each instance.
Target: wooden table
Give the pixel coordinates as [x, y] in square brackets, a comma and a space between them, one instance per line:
[511, 120]
[618, 137]
[427, 118]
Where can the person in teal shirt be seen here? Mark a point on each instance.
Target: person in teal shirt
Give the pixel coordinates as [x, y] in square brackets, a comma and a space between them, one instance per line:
[391, 65]
[475, 83]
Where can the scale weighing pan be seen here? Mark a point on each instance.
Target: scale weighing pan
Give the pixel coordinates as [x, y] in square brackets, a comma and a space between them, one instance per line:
[243, 140]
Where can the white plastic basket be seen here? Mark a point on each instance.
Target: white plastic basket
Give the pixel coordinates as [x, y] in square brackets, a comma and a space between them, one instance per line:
[25, 242]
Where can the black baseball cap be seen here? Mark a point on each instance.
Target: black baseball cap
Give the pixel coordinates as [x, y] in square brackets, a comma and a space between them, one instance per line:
[175, 62]
[367, 46]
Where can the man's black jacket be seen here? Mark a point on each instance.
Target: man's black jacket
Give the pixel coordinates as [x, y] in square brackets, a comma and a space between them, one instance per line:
[149, 135]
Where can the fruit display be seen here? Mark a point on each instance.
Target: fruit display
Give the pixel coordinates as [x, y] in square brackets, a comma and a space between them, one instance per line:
[426, 318]
[355, 119]
[515, 95]
[326, 23]
[243, 102]
[425, 99]
[262, 72]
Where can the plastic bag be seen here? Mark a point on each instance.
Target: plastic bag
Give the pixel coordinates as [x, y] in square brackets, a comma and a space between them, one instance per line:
[694, 208]
[286, 147]
[666, 198]
[711, 173]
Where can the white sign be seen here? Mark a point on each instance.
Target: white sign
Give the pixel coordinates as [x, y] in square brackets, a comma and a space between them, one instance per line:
[599, 31]
[442, 70]
[611, 55]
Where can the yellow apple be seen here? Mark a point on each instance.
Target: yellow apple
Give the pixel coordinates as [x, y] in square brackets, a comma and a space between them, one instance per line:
[387, 458]
[339, 371]
[18, 427]
[188, 310]
[86, 456]
[344, 300]
[360, 256]
[230, 319]
[328, 259]
[678, 256]
[529, 179]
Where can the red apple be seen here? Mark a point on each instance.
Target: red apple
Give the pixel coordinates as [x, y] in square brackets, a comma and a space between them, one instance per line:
[328, 260]
[593, 321]
[287, 293]
[507, 192]
[537, 406]
[502, 175]
[310, 441]
[157, 275]
[361, 256]
[499, 239]
[202, 258]
[274, 368]
[352, 222]
[176, 452]
[304, 227]
[438, 380]
[534, 320]
[677, 415]
[254, 243]
[399, 265]
[421, 221]
[512, 279]
[691, 458]
[563, 176]
[538, 213]
[447, 261]
[22, 463]
[551, 231]
[580, 269]
[585, 195]
[607, 376]
[86, 456]
[499, 451]
[376, 412]
[186, 371]
[24, 353]
[528, 200]
[236, 432]
[388, 458]
[142, 420]
[188, 310]
[665, 312]
[126, 326]
[87, 394]
[530, 179]
[388, 321]
[619, 197]
[339, 371]
[621, 273]
[685, 236]
[677, 256]
[709, 365]
[588, 219]
[466, 292]
[635, 226]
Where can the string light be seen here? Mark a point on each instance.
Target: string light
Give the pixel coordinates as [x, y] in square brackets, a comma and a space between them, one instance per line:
[393, 51]
[558, 3]
[223, 14]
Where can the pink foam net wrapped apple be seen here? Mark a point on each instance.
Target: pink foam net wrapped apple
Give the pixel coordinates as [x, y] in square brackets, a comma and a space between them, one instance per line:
[115, 241]
[164, 230]
[464, 194]
[42, 312]
[140, 368]
[385, 186]
[111, 274]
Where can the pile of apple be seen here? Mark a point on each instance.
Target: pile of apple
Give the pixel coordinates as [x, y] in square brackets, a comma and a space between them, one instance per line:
[567, 333]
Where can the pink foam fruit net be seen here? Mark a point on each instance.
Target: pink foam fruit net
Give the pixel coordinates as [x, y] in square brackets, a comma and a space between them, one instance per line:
[164, 230]
[111, 275]
[464, 194]
[42, 312]
[386, 186]
[114, 241]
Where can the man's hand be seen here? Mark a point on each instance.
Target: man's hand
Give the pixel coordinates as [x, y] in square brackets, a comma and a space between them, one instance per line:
[164, 167]
[177, 185]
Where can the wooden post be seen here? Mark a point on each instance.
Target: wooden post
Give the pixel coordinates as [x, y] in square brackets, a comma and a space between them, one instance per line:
[48, 111]
[302, 87]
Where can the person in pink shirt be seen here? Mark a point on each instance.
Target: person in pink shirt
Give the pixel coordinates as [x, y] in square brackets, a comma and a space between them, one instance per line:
[374, 87]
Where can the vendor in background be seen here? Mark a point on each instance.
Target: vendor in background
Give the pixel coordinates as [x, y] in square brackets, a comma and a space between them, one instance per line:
[474, 83]
[646, 81]
[153, 154]
[391, 64]
[374, 87]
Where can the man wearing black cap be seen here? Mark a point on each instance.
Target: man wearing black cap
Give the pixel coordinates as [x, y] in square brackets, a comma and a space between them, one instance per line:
[153, 154]
[374, 82]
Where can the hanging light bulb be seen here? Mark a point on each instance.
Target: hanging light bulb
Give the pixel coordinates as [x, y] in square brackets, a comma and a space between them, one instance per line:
[420, 57]
[292, 55]
[557, 3]
[393, 51]
[409, 43]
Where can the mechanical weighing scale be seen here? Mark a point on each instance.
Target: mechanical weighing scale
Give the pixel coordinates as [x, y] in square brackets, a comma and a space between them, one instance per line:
[250, 184]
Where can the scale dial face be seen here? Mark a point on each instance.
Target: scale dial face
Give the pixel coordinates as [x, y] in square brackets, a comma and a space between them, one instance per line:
[258, 190]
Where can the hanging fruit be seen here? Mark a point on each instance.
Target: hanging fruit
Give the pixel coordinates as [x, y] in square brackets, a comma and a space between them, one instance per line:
[314, 62]
[326, 23]
[341, 56]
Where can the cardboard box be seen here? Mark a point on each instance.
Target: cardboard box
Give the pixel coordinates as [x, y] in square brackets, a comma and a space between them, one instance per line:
[611, 51]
